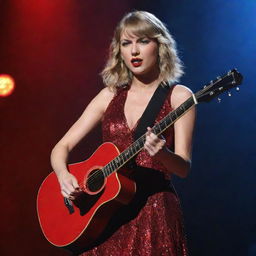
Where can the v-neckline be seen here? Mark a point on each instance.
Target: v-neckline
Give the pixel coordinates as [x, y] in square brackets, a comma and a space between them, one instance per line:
[126, 121]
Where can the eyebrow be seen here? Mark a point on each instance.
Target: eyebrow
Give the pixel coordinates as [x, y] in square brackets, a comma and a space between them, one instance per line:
[139, 38]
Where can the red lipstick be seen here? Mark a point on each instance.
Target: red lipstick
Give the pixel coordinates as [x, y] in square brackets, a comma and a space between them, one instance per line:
[136, 62]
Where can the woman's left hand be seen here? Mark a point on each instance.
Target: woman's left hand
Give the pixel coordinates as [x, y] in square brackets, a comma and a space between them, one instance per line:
[153, 143]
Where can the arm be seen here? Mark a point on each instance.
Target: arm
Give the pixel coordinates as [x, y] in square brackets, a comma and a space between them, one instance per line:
[88, 120]
[179, 161]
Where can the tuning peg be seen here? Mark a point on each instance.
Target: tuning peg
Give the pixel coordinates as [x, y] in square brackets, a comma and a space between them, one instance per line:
[237, 89]
[229, 94]
[219, 100]
[218, 77]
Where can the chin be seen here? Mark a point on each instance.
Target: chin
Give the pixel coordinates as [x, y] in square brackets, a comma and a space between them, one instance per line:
[138, 71]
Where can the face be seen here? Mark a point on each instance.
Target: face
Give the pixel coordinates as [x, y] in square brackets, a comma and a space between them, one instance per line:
[140, 54]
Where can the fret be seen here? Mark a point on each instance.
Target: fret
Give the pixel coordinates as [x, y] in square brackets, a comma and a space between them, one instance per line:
[173, 116]
[124, 157]
[136, 146]
[110, 169]
[125, 154]
[157, 129]
[107, 170]
[116, 161]
[165, 121]
[179, 111]
[132, 152]
[112, 165]
[169, 119]
[142, 140]
[103, 171]
[121, 159]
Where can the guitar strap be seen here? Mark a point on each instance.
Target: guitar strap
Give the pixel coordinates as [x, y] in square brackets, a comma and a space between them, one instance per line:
[153, 108]
[149, 115]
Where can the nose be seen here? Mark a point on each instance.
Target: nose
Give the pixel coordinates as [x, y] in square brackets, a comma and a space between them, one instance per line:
[135, 50]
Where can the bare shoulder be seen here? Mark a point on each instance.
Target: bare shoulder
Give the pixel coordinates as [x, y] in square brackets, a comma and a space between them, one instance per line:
[106, 94]
[179, 94]
[103, 98]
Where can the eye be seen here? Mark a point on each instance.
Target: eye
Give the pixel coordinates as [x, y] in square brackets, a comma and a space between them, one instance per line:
[144, 41]
[124, 43]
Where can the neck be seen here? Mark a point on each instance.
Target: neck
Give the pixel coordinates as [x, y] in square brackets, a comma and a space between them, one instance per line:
[146, 81]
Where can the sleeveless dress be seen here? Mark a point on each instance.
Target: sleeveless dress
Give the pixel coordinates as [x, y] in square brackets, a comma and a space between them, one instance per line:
[151, 225]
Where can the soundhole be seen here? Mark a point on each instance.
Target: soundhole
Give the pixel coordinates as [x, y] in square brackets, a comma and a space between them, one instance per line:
[95, 180]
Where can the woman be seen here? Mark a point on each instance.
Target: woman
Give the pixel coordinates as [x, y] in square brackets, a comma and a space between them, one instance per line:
[142, 55]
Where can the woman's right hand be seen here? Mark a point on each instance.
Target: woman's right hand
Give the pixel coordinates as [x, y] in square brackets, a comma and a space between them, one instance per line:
[69, 185]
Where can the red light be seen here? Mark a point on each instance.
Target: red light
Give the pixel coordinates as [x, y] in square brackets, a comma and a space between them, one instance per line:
[7, 85]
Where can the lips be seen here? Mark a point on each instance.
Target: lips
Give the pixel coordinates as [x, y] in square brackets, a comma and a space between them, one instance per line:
[136, 62]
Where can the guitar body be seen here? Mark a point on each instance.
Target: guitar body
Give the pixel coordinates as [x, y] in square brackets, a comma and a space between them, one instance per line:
[76, 224]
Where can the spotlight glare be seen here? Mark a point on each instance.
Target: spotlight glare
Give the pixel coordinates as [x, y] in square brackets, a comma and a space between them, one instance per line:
[7, 85]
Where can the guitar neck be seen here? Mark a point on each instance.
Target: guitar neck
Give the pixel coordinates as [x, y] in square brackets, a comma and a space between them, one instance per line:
[157, 129]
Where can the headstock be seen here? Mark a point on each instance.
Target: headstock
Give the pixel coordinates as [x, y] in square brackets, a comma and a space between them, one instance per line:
[224, 83]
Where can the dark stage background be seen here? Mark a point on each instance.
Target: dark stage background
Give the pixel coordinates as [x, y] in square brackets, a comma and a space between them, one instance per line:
[55, 51]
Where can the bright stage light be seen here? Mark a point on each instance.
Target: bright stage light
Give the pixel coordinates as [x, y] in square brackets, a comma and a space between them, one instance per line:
[7, 85]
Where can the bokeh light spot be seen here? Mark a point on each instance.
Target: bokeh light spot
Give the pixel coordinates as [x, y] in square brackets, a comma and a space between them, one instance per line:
[7, 85]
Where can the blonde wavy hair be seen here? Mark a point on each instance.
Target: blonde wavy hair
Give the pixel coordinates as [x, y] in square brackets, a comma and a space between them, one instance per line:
[142, 23]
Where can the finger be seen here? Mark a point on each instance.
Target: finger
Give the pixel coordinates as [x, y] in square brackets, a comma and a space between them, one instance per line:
[149, 131]
[65, 194]
[153, 140]
[161, 143]
[67, 188]
[150, 149]
[152, 135]
[71, 197]
[76, 193]
[75, 184]
[68, 195]
[70, 188]
[152, 144]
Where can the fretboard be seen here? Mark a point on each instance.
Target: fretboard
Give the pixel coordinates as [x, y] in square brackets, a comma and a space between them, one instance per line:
[138, 145]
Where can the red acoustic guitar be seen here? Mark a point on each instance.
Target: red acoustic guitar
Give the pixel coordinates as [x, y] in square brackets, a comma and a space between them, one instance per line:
[76, 224]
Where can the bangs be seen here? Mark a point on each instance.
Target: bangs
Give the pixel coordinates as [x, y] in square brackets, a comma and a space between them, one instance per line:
[139, 28]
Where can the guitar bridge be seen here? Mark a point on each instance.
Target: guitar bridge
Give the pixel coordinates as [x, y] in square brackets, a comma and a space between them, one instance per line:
[69, 205]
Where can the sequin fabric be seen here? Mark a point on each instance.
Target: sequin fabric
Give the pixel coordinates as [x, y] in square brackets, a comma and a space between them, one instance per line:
[151, 225]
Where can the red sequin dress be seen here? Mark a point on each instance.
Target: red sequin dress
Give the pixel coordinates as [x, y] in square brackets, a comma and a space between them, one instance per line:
[152, 224]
